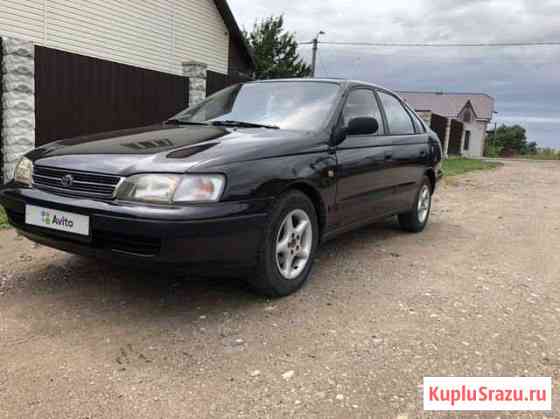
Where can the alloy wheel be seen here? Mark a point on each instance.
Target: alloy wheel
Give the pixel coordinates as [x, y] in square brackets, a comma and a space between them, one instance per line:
[293, 244]
[424, 202]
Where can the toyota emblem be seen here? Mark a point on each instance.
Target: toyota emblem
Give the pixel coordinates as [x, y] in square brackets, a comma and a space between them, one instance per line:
[67, 181]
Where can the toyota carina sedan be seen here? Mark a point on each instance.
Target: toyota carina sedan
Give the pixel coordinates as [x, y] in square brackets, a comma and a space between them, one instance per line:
[254, 178]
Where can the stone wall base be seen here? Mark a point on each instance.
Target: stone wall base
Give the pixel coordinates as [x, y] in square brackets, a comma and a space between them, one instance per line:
[18, 102]
[197, 74]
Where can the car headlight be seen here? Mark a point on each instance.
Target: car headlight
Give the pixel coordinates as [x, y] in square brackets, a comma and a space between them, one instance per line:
[24, 171]
[169, 189]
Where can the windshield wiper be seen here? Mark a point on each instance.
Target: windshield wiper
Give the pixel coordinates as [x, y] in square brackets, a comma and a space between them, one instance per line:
[183, 122]
[242, 124]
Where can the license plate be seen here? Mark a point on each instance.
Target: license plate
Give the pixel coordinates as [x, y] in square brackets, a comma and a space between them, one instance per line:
[57, 220]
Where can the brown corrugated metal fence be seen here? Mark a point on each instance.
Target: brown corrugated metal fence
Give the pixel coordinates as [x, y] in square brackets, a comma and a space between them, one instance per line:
[455, 136]
[217, 81]
[78, 95]
[438, 124]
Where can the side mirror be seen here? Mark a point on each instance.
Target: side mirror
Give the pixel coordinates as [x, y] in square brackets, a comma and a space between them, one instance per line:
[362, 126]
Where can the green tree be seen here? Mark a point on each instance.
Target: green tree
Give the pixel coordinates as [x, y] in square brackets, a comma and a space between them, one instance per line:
[275, 50]
[510, 140]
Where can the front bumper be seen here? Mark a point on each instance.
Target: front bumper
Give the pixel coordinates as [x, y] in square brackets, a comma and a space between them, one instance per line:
[217, 234]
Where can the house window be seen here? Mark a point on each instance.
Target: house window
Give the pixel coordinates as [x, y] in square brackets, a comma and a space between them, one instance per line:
[467, 116]
[467, 140]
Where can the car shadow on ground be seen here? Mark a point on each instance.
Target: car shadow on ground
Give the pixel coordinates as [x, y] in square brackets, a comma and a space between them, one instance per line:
[96, 286]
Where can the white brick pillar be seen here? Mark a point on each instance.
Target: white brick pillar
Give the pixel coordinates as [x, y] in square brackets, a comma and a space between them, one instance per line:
[18, 100]
[446, 139]
[462, 148]
[197, 73]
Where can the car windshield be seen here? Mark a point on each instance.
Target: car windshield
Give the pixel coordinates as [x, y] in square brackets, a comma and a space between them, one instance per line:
[286, 105]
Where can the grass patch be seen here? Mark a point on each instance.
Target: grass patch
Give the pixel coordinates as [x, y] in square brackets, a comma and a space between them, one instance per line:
[459, 166]
[3, 219]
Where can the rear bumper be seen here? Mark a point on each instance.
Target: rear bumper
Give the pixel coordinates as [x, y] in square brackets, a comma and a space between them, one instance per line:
[220, 234]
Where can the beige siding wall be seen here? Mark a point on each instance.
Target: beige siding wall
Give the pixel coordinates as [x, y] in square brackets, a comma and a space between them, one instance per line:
[22, 19]
[156, 34]
[198, 40]
[478, 133]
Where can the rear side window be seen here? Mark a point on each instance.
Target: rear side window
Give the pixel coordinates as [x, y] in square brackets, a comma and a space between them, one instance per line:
[362, 103]
[418, 126]
[397, 117]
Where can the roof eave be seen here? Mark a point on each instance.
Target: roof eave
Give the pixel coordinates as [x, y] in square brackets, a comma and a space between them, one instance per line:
[231, 23]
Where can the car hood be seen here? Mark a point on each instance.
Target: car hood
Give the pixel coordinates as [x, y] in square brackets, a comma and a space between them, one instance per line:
[170, 148]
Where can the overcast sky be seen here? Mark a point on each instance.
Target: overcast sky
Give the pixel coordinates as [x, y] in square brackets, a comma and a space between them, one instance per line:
[525, 81]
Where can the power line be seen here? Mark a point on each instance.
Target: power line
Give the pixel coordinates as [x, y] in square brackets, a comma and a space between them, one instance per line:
[437, 45]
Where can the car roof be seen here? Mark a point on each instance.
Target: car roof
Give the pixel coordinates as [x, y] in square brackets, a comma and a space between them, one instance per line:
[343, 82]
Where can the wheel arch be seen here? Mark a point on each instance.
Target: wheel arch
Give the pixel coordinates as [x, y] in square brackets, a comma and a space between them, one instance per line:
[431, 174]
[315, 196]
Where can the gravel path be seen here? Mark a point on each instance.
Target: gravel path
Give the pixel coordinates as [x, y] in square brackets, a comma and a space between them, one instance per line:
[476, 294]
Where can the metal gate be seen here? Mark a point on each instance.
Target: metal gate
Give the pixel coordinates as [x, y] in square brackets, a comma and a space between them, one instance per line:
[217, 81]
[455, 136]
[77, 95]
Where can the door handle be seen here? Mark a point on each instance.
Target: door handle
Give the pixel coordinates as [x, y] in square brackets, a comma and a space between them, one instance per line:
[388, 155]
[423, 153]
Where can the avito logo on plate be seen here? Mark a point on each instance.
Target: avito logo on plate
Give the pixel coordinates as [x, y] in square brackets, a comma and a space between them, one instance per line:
[46, 217]
[60, 220]
[57, 220]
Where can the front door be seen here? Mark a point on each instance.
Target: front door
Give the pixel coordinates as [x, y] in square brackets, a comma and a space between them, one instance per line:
[364, 190]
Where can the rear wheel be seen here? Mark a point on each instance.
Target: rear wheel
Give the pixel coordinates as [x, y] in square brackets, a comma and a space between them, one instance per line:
[286, 255]
[416, 220]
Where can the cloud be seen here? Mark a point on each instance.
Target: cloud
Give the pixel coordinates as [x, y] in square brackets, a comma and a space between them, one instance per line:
[523, 80]
[531, 119]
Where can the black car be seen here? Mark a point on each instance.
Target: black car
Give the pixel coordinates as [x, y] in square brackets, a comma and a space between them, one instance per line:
[250, 180]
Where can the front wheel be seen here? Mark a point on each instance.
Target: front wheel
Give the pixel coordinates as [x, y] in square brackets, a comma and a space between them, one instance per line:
[290, 241]
[416, 220]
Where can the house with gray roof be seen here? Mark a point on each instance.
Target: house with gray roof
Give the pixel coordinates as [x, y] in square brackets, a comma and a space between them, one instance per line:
[473, 111]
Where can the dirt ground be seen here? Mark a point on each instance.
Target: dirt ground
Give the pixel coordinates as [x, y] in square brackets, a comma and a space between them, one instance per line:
[476, 294]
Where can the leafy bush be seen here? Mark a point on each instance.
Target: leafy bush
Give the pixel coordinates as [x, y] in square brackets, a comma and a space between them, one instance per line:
[545, 154]
[509, 141]
[493, 150]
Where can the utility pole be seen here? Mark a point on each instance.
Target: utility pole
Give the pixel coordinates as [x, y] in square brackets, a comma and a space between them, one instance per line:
[315, 43]
[495, 129]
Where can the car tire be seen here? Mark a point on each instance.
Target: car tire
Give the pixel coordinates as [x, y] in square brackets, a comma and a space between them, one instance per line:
[288, 248]
[416, 220]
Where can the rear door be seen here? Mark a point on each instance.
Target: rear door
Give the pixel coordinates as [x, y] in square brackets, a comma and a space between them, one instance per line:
[410, 149]
[363, 188]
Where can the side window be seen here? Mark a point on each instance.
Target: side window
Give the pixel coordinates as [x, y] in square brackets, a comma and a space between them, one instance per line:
[362, 103]
[397, 117]
[418, 125]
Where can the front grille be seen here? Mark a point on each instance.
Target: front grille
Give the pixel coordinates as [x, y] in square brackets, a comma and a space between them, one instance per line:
[82, 183]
